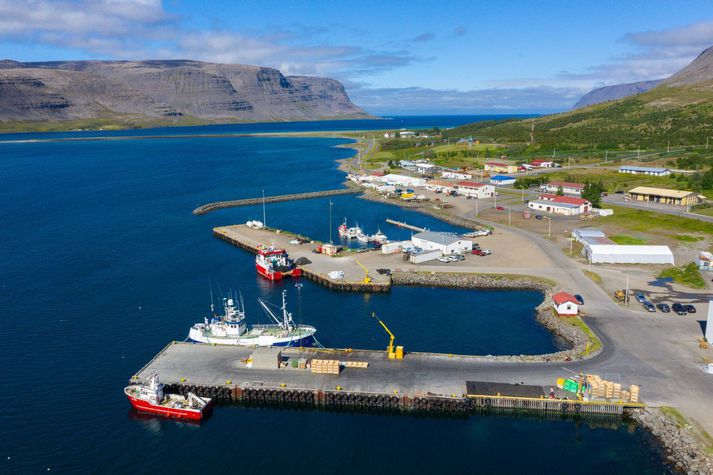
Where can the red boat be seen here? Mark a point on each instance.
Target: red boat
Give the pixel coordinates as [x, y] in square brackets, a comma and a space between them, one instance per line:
[150, 398]
[274, 264]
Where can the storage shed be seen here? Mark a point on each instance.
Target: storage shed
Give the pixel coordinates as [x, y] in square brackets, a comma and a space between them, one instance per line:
[501, 180]
[425, 256]
[617, 254]
[704, 261]
[565, 304]
[446, 243]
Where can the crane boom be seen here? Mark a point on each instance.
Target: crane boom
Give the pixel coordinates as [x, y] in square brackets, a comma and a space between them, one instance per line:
[367, 278]
[393, 353]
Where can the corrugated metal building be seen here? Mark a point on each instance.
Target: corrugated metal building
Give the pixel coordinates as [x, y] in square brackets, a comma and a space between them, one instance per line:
[618, 254]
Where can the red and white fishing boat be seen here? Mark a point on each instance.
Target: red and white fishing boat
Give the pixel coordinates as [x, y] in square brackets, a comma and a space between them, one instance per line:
[274, 264]
[150, 398]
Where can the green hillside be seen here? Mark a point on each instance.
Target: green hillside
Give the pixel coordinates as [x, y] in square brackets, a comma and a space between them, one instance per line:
[679, 115]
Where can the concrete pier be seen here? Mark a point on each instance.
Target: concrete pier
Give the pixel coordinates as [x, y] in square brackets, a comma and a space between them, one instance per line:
[207, 208]
[320, 265]
[405, 225]
[421, 381]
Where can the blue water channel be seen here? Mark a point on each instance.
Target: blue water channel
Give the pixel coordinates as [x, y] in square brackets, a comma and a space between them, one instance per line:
[103, 264]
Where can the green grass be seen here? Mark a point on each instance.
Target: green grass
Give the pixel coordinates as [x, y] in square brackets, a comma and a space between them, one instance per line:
[651, 222]
[594, 343]
[687, 275]
[687, 238]
[594, 276]
[704, 211]
[627, 240]
[613, 180]
[673, 413]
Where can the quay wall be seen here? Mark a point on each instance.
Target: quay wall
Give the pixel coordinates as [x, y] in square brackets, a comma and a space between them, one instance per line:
[207, 208]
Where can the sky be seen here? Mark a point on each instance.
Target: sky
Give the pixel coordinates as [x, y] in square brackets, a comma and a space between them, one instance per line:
[394, 57]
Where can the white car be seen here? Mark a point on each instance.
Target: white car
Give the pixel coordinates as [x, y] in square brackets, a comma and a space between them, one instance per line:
[487, 252]
[444, 259]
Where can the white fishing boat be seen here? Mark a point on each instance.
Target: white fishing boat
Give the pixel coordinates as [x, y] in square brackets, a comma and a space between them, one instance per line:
[349, 233]
[231, 327]
[379, 237]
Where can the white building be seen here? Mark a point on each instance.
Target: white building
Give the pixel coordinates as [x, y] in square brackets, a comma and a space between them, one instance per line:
[565, 304]
[446, 243]
[427, 168]
[567, 187]
[406, 134]
[566, 205]
[653, 171]
[456, 175]
[704, 261]
[475, 190]
[440, 186]
[502, 180]
[580, 234]
[403, 180]
[625, 254]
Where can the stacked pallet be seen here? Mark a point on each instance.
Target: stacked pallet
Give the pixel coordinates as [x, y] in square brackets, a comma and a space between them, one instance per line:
[356, 364]
[325, 366]
[603, 389]
[634, 390]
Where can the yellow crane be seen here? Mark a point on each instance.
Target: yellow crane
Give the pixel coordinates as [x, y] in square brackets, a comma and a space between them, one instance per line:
[394, 353]
[367, 279]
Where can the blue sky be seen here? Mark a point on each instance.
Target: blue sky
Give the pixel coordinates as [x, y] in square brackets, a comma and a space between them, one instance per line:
[394, 57]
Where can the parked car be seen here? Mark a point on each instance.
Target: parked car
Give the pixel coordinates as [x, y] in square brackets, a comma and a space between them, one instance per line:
[649, 306]
[664, 308]
[500, 208]
[538, 216]
[579, 298]
[443, 259]
[480, 252]
[690, 308]
[679, 309]
[640, 297]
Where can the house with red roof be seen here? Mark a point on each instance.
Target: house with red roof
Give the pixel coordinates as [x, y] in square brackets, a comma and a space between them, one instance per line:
[565, 304]
[566, 205]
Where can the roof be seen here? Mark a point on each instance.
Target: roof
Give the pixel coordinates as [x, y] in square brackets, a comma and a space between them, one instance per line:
[564, 297]
[705, 256]
[555, 204]
[597, 240]
[589, 232]
[440, 183]
[499, 164]
[426, 165]
[566, 184]
[646, 190]
[618, 249]
[436, 237]
[563, 199]
[643, 169]
[502, 177]
[471, 184]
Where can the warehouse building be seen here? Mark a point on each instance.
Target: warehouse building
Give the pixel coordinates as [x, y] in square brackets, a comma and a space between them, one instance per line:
[403, 180]
[475, 190]
[579, 235]
[653, 171]
[440, 186]
[663, 196]
[500, 167]
[565, 205]
[501, 180]
[456, 175]
[446, 243]
[623, 254]
[568, 188]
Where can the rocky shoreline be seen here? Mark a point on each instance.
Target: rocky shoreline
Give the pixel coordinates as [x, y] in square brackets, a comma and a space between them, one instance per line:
[575, 337]
[681, 449]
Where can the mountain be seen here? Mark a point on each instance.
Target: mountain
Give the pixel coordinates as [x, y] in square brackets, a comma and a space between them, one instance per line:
[164, 91]
[678, 111]
[612, 93]
[699, 71]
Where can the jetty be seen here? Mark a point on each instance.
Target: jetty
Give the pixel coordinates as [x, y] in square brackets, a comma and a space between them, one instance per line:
[319, 266]
[405, 225]
[362, 379]
[207, 208]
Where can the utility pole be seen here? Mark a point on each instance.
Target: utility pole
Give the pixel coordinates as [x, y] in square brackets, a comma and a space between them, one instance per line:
[626, 292]
[606, 156]
[569, 161]
[638, 152]
[523, 194]
[264, 219]
[495, 199]
[476, 207]
[330, 222]
[509, 218]
[571, 242]
[668, 147]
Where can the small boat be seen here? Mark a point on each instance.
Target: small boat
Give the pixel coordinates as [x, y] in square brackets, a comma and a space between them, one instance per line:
[274, 264]
[149, 397]
[379, 237]
[348, 233]
[361, 237]
[231, 328]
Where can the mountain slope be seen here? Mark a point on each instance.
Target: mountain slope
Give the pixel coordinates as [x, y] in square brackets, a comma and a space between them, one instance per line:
[612, 93]
[677, 111]
[177, 90]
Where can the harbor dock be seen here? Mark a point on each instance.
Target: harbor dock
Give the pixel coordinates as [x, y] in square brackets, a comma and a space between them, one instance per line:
[320, 265]
[405, 225]
[207, 208]
[363, 379]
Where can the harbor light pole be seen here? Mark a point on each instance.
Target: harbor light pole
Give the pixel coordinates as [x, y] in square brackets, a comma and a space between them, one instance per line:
[330, 222]
[264, 219]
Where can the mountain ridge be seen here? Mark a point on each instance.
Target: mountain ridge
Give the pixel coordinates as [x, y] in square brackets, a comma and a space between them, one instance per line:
[165, 90]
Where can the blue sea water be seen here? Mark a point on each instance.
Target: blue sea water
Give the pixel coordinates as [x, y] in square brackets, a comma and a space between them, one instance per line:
[103, 264]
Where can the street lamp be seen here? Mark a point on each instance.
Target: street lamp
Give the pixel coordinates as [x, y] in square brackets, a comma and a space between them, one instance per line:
[549, 226]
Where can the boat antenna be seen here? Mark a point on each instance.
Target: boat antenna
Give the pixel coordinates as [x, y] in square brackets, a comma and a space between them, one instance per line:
[212, 307]
[299, 302]
[242, 304]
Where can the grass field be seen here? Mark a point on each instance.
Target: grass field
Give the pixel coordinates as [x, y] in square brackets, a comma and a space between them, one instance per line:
[687, 275]
[687, 238]
[627, 240]
[596, 278]
[613, 180]
[657, 223]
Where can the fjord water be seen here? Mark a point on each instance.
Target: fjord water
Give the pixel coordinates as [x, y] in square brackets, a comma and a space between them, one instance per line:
[103, 264]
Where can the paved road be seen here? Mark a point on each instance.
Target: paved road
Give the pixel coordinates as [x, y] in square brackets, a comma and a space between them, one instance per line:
[618, 200]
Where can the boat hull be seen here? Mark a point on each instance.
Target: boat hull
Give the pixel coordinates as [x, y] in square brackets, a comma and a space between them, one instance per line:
[304, 341]
[277, 275]
[171, 412]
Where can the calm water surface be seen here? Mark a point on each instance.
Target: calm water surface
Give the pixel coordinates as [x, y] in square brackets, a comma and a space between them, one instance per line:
[103, 264]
